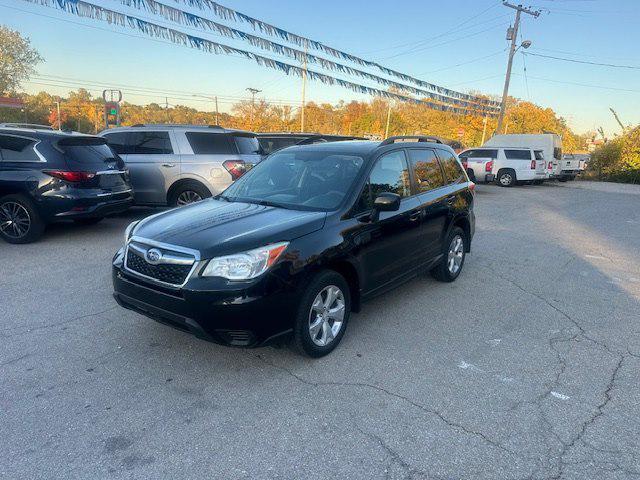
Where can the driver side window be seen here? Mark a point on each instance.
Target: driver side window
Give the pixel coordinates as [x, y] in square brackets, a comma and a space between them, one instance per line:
[389, 174]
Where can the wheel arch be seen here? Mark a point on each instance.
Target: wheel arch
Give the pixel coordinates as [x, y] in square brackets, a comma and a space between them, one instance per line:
[185, 182]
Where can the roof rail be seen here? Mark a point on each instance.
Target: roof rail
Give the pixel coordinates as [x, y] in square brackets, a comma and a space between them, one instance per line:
[409, 138]
[137, 125]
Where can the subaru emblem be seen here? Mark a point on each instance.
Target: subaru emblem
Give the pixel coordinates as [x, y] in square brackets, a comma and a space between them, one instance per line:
[153, 256]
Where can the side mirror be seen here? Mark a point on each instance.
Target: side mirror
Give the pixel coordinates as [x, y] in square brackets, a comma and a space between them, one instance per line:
[387, 202]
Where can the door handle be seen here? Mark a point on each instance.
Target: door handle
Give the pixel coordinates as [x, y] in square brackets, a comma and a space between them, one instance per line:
[168, 165]
[414, 217]
[451, 199]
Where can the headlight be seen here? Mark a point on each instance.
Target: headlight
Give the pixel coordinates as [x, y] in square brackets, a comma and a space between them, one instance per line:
[245, 265]
[129, 230]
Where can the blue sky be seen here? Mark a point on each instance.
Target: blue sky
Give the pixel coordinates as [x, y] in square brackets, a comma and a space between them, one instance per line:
[459, 44]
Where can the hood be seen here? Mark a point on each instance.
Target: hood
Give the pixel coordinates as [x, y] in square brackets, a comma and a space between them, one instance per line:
[217, 227]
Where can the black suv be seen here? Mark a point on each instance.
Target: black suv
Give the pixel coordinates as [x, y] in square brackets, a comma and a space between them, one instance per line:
[270, 142]
[299, 241]
[46, 176]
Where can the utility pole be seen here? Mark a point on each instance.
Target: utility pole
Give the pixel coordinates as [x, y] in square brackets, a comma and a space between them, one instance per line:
[513, 33]
[214, 99]
[58, 113]
[253, 92]
[386, 131]
[304, 87]
[484, 130]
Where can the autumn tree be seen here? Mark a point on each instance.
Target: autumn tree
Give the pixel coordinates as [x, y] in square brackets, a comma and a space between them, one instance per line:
[17, 60]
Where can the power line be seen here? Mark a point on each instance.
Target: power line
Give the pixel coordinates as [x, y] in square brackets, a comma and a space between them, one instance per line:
[466, 63]
[631, 67]
[584, 84]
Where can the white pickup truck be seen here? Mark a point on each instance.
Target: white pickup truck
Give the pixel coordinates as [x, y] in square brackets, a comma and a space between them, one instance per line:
[507, 166]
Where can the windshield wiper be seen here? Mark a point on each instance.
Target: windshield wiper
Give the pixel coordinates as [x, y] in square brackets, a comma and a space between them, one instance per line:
[267, 203]
[222, 197]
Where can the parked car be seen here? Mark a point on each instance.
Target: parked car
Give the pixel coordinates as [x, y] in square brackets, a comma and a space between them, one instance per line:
[48, 176]
[270, 142]
[180, 164]
[549, 143]
[571, 166]
[508, 166]
[30, 126]
[478, 163]
[297, 243]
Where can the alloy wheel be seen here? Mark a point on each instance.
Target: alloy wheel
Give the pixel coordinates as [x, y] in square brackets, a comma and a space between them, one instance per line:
[506, 179]
[187, 197]
[15, 220]
[455, 255]
[326, 316]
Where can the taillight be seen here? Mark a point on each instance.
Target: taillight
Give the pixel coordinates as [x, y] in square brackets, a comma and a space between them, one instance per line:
[236, 168]
[550, 166]
[71, 176]
[472, 187]
[465, 165]
[488, 166]
[533, 164]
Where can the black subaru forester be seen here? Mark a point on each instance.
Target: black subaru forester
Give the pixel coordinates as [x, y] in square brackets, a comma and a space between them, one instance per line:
[298, 242]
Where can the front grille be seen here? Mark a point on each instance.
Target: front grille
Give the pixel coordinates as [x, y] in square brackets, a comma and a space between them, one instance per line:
[163, 272]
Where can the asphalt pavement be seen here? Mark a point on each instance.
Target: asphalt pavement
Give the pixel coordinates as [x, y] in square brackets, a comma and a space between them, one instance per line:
[527, 367]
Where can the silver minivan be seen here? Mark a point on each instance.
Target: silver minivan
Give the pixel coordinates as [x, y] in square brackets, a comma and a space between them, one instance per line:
[179, 164]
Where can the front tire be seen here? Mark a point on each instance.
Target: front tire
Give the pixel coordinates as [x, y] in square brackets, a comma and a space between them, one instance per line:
[453, 257]
[322, 315]
[19, 220]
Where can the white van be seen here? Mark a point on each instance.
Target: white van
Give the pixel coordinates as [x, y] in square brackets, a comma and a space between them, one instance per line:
[508, 166]
[549, 143]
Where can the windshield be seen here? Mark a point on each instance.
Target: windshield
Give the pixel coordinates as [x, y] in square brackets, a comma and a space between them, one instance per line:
[299, 180]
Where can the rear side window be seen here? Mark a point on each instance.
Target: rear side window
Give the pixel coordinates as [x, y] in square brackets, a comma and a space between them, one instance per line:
[204, 143]
[517, 154]
[17, 149]
[149, 143]
[247, 145]
[427, 169]
[538, 154]
[118, 141]
[390, 174]
[453, 171]
[480, 154]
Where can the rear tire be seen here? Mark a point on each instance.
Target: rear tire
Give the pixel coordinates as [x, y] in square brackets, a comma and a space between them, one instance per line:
[453, 256]
[19, 220]
[506, 178]
[88, 221]
[563, 179]
[187, 193]
[322, 315]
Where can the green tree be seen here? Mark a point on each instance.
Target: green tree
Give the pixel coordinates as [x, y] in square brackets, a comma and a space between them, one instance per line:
[17, 60]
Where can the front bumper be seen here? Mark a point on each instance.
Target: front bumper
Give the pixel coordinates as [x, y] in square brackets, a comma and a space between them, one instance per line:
[244, 316]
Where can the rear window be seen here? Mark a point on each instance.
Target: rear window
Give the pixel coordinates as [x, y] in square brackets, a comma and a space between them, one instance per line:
[452, 168]
[271, 144]
[557, 153]
[90, 156]
[17, 149]
[205, 143]
[517, 154]
[538, 154]
[480, 154]
[247, 145]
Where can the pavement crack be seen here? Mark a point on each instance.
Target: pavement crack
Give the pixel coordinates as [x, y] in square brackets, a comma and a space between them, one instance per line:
[64, 322]
[599, 411]
[15, 360]
[455, 425]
